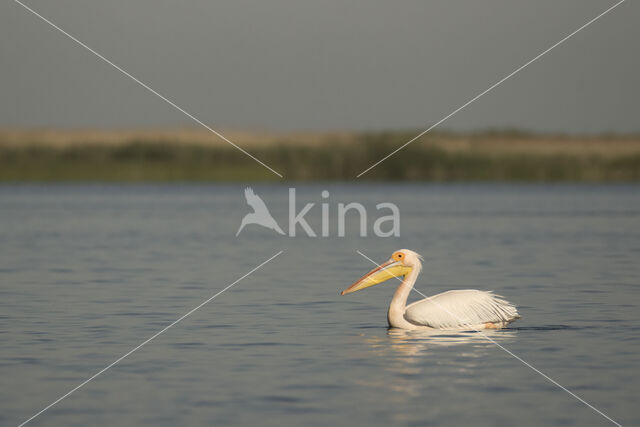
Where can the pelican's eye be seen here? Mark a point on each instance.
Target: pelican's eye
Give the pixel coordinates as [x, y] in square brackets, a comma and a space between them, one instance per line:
[398, 256]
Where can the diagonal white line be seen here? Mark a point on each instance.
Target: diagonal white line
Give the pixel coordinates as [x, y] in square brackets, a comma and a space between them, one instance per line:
[146, 341]
[493, 86]
[144, 85]
[510, 353]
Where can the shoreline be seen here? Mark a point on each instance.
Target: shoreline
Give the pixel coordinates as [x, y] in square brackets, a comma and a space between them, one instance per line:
[192, 155]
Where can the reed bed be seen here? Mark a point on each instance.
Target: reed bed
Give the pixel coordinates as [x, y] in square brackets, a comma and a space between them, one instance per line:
[194, 156]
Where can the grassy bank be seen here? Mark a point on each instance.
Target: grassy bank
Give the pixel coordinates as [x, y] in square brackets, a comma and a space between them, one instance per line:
[196, 156]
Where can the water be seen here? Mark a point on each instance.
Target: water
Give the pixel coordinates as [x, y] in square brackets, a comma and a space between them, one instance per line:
[87, 272]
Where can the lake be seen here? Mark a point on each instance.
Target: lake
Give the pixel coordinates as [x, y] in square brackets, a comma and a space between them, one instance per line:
[88, 272]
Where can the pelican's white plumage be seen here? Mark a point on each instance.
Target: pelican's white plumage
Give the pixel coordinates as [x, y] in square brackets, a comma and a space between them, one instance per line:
[460, 308]
[467, 308]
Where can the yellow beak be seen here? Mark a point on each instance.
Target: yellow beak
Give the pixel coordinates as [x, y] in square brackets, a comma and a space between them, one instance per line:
[386, 271]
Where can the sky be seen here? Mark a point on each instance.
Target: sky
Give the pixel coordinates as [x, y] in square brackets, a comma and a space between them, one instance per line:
[286, 65]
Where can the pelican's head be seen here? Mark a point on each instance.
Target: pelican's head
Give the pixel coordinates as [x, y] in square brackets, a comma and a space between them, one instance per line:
[401, 263]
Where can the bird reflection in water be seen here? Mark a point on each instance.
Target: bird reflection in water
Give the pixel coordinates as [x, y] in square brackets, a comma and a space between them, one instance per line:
[410, 352]
[402, 340]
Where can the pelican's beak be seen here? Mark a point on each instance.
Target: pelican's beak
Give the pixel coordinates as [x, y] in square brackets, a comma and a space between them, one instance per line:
[386, 271]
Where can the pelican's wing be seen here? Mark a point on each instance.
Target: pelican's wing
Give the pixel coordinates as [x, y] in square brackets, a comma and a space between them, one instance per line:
[463, 308]
[254, 201]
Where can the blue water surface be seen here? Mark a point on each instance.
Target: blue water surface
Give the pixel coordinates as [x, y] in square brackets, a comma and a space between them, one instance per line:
[88, 272]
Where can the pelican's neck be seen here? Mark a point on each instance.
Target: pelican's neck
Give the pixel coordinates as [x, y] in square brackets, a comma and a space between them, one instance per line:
[395, 316]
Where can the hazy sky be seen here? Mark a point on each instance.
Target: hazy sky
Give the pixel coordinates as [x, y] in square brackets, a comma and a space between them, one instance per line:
[315, 65]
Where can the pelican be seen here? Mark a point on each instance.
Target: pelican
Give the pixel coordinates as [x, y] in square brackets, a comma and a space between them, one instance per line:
[459, 309]
[260, 215]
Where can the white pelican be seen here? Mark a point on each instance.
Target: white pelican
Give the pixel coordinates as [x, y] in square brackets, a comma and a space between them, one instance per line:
[462, 309]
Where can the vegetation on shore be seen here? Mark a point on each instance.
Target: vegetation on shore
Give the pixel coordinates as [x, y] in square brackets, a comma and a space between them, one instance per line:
[194, 156]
